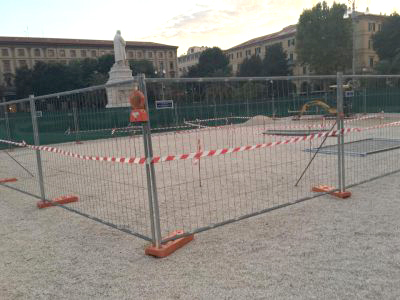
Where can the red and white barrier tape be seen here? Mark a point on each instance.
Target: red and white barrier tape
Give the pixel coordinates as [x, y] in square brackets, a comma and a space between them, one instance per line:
[199, 154]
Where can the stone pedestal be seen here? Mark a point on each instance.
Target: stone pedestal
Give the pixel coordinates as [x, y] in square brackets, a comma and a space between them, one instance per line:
[118, 94]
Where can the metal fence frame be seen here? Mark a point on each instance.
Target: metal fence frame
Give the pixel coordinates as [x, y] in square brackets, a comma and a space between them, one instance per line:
[151, 180]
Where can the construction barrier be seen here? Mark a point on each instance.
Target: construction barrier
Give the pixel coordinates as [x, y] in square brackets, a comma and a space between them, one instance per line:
[203, 162]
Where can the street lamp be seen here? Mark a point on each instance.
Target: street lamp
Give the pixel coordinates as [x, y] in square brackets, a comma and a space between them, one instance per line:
[161, 74]
[273, 100]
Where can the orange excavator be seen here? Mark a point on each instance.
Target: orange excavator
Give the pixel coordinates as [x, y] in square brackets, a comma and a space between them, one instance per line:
[319, 103]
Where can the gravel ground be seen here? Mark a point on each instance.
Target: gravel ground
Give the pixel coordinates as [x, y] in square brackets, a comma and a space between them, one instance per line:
[320, 249]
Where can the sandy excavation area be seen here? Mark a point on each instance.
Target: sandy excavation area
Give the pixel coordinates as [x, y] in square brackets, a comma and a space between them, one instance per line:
[198, 194]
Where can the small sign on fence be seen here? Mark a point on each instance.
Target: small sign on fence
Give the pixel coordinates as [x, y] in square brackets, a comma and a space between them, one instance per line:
[164, 104]
[349, 94]
[39, 114]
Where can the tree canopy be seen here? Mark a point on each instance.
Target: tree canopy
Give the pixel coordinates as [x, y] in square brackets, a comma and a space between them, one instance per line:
[252, 66]
[324, 38]
[212, 63]
[142, 67]
[386, 43]
[274, 63]
[46, 78]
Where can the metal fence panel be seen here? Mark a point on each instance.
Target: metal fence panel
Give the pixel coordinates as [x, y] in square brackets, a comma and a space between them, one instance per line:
[216, 150]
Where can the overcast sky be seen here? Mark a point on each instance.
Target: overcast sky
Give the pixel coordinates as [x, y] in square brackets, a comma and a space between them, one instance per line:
[184, 23]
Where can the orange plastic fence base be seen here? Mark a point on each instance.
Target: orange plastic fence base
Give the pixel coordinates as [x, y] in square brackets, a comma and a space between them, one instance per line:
[4, 180]
[327, 188]
[60, 200]
[169, 247]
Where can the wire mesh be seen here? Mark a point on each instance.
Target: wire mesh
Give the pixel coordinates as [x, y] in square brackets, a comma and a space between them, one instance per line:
[380, 98]
[210, 116]
[79, 122]
[224, 148]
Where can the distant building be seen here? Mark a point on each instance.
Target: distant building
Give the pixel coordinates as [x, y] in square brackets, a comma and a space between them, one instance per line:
[366, 25]
[258, 46]
[16, 52]
[189, 59]
[366, 58]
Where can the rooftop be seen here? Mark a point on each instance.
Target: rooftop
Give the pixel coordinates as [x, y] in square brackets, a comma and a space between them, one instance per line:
[287, 31]
[75, 42]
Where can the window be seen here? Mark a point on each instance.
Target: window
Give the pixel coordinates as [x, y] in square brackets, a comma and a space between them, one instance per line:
[150, 54]
[83, 53]
[304, 70]
[379, 27]
[170, 54]
[291, 57]
[371, 62]
[371, 27]
[258, 50]
[4, 52]
[369, 44]
[160, 55]
[93, 53]
[289, 43]
[36, 52]
[21, 52]
[240, 54]
[6, 66]
[171, 65]
[248, 52]
[62, 53]
[139, 54]
[72, 53]
[22, 63]
[51, 52]
[161, 66]
[130, 54]
[293, 42]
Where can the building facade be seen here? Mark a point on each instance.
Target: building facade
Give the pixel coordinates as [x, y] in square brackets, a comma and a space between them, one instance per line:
[258, 46]
[189, 59]
[16, 52]
[365, 25]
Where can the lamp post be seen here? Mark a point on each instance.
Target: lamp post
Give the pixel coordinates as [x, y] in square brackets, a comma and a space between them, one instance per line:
[161, 74]
[353, 23]
[273, 100]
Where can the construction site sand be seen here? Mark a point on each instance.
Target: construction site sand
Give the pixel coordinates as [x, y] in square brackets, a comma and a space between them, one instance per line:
[195, 196]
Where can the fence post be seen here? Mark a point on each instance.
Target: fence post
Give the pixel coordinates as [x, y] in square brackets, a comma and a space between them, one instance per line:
[150, 172]
[76, 122]
[340, 124]
[37, 143]
[8, 131]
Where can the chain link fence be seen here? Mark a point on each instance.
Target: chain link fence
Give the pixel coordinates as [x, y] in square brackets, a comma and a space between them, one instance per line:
[215, 150]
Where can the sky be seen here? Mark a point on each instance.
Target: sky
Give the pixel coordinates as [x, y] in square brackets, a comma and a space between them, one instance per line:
[222, 23]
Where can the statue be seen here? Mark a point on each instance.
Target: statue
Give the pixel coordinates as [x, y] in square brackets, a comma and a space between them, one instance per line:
[119, 47]
[118, 94]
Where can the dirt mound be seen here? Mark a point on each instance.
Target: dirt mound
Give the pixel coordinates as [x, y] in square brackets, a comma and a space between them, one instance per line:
[258, 120]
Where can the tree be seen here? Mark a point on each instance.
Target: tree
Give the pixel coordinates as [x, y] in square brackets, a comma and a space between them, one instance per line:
[143, 66]
[387, 45]
[105, 62]
[212, 63]
[275, 62]
[324, 38]
[252, 66]
[23, 82]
